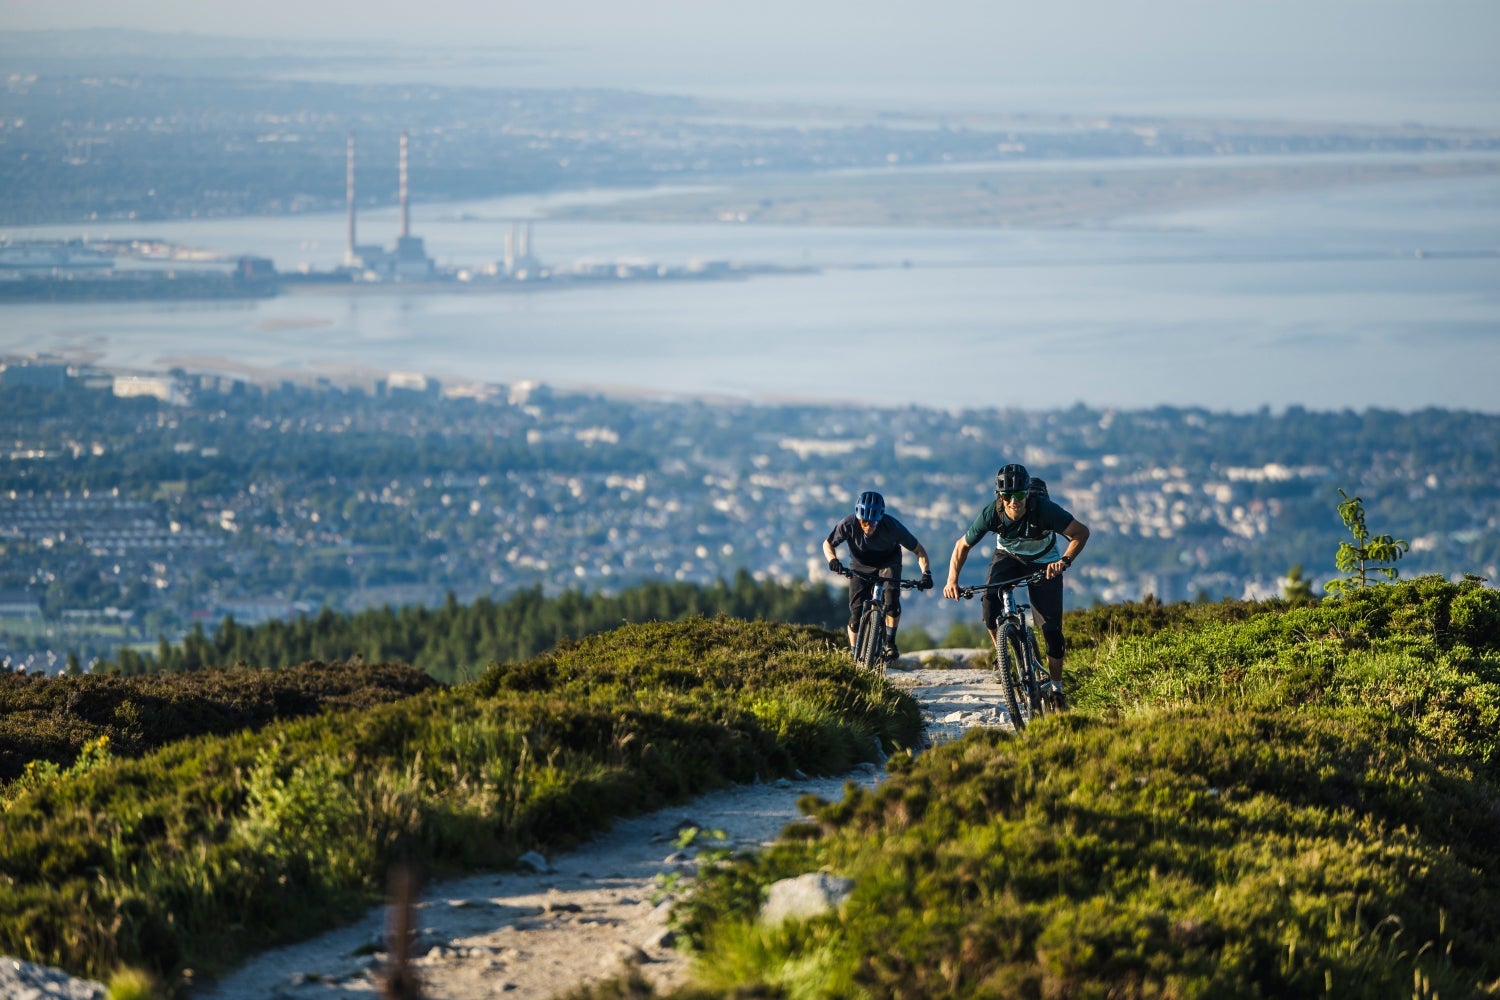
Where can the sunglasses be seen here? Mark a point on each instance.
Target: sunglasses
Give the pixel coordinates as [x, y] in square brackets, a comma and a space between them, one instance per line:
[1014, 496]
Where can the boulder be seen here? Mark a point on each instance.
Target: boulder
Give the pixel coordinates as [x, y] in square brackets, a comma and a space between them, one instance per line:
[804, 897]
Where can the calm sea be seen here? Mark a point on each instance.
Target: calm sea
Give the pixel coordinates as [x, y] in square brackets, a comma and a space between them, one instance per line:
[1380, 295]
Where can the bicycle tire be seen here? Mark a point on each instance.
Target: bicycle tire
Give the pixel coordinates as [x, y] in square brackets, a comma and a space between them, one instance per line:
[869, 641]
[1009, 673]
[1039, 694]
[876, 662]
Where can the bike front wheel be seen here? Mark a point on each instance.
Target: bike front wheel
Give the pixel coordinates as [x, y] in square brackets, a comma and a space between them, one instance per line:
[869, 640]
[1008, 665]
[1039, 692]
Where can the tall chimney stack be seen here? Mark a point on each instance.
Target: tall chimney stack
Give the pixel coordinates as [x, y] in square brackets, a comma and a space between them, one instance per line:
[405, 210]
[349, 197]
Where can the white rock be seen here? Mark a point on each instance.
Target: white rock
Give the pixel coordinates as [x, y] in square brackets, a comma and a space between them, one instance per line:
[804, 897]
[25, 981]
[535, 861]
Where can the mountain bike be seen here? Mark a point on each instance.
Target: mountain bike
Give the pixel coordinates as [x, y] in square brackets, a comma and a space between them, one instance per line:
[869, 637]
[1017, 662]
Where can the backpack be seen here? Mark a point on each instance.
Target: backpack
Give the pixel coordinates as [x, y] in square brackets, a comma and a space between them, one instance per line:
[1036, 491]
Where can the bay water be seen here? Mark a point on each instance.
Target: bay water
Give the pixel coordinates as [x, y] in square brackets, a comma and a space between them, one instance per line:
[1385, 294]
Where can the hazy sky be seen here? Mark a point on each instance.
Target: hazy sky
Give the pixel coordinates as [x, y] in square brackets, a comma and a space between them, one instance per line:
[1385, 60]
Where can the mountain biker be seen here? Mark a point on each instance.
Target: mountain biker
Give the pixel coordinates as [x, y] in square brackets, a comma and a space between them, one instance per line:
[875, 541]
[1026, 524]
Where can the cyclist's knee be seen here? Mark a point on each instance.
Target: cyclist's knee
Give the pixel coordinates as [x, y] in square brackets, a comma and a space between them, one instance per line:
[1054, 640]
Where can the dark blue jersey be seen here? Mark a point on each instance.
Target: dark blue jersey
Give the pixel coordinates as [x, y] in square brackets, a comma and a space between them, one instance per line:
[880, 548]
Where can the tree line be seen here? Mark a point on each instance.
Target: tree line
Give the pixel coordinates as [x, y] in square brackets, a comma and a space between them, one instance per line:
[454, 642]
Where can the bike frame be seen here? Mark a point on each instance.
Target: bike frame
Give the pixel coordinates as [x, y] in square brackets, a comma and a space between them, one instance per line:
[1014, 637]
[869, 637]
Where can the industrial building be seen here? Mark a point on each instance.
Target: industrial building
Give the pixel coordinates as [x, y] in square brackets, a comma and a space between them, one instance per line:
[406, 259]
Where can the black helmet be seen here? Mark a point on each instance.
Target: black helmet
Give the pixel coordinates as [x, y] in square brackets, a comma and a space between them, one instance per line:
[1012, 479]
[870, 506]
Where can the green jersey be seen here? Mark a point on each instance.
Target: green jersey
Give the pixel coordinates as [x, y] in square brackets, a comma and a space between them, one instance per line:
[1032, 536]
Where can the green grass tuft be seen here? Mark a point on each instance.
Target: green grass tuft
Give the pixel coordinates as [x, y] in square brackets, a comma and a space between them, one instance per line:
[134, 984]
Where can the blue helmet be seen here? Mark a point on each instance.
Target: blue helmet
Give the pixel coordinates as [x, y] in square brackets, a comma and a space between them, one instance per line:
[870, 506]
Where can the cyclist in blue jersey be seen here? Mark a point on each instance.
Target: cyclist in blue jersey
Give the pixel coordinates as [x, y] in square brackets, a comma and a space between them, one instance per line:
[1027, 526]
[875, 541]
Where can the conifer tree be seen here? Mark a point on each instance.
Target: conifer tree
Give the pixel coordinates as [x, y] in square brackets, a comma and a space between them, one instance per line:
[1368, 555]
[1298, 588]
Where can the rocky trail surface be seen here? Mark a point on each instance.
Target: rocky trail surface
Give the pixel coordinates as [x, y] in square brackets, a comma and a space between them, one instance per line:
[576, 918]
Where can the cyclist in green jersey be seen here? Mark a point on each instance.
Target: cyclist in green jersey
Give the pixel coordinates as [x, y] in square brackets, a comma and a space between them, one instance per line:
[1027, 528]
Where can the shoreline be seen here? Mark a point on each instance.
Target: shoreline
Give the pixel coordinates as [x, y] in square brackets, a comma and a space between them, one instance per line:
[1003, 196]
[1042, 193]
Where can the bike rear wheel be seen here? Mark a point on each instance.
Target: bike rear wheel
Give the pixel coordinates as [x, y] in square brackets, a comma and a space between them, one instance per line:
[869, 640]
[1008, 665]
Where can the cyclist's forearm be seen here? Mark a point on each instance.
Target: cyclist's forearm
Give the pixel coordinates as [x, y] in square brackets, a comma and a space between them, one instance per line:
[956, 561]
[1077, 535]
[923, 563]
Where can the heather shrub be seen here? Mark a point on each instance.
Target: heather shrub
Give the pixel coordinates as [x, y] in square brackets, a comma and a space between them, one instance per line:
[52, 718]
[1292, 802]
[205, 850]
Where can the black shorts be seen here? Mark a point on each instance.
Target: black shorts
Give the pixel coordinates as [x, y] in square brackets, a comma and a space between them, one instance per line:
[1046, 599]
[860, 589]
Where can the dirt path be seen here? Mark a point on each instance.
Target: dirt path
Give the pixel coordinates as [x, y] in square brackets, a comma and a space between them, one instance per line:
[533, 935]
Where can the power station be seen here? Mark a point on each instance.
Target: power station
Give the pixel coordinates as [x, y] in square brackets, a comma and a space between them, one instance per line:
[407, 259]
[72, 270]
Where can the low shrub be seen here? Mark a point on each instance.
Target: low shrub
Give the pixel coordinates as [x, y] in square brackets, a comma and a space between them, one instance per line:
[1279, 802]
[1087, 628]
[1196, 852]
[1415, 653]
[51, 718]
[204, 851]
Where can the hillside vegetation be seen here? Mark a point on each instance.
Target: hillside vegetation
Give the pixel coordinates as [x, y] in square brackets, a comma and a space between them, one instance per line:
[197, 854]
[1247, 801]
[1300, 803]
[48, 720]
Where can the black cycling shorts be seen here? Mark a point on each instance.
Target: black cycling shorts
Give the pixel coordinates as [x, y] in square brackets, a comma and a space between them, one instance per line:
[860, 589]
[1046, 599]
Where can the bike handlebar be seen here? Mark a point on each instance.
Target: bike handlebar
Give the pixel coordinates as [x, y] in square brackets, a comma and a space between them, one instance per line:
[968, 592]
[905, 584]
